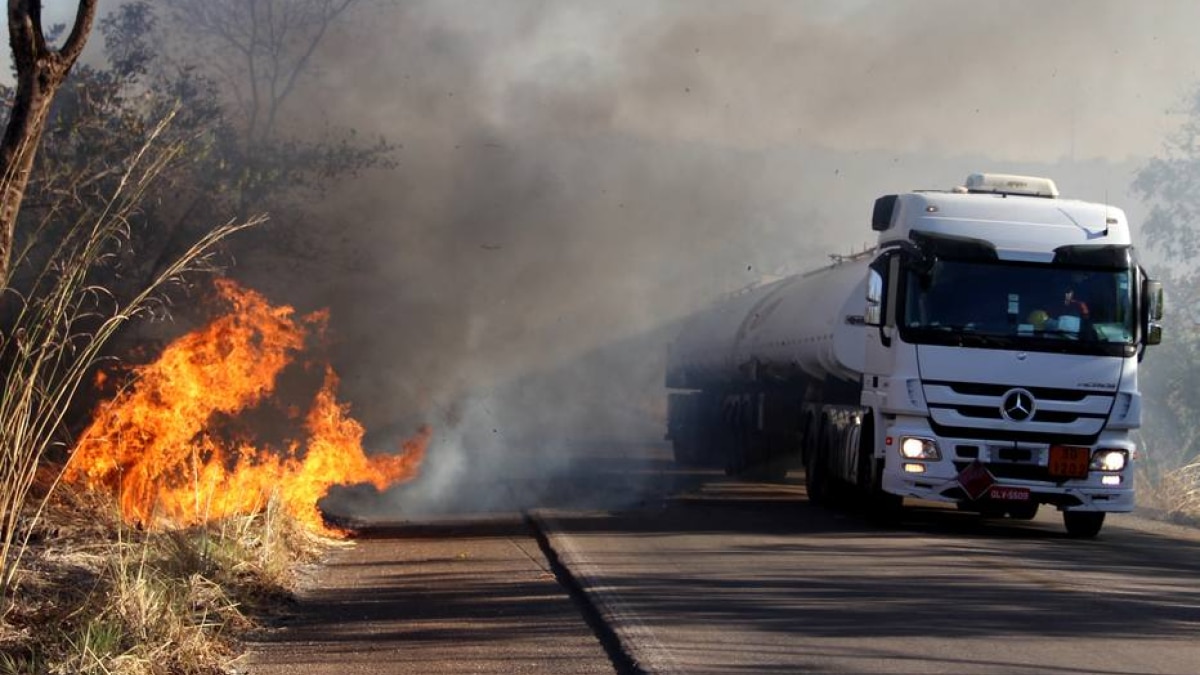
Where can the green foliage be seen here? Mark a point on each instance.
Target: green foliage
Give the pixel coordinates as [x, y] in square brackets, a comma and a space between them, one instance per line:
[99, 642]
[1170, 184]
[99, 120]
[221, 173]
[22, 664]
[1171, 401]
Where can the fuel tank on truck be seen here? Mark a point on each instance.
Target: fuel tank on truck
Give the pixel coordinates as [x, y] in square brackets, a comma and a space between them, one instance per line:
[804, 325]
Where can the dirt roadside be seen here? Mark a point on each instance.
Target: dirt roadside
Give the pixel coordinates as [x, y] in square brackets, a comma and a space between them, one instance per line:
[452, 597]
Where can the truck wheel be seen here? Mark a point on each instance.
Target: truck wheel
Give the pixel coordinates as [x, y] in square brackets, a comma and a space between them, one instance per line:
[1083, 524]
[769, 470]
[765, 461]
[738, 464]
[775, 469]
[684, 452]
[707, 451]
[816, 480]
[883, 508]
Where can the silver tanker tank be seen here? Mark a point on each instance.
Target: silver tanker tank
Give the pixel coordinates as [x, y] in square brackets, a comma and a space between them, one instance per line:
[804, 325]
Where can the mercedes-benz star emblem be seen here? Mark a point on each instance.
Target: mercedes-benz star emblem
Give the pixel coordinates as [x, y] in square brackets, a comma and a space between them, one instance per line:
[1018, 406]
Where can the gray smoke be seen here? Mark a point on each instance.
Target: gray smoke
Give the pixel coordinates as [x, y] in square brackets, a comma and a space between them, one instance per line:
[575, 177]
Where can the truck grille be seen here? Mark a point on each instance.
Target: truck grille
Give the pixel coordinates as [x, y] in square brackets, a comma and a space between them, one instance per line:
[998, 390]
[973, 410]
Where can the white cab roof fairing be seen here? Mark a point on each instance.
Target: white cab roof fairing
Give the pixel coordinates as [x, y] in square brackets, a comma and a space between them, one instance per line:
[1021, 228]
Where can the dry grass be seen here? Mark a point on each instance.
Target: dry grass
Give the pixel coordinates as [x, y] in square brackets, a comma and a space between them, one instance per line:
[60, 326]
[1174, 494]
[95, 596]
[81, 592]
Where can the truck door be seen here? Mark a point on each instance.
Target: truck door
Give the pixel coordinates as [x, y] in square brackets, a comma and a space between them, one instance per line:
[879, 361]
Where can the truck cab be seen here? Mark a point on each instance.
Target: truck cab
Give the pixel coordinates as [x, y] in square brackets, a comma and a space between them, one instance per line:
[1003, 330]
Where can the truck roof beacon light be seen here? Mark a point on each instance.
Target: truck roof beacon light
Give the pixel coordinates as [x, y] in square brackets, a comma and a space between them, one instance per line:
[1009, 184]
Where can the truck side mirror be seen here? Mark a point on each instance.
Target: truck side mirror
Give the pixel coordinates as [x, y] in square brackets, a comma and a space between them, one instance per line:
[885, 208]
[1152, 311]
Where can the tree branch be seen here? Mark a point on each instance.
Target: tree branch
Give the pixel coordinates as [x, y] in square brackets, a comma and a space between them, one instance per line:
[85, 15]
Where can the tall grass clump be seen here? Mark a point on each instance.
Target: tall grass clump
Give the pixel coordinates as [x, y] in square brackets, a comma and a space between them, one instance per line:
[116, 600]
[59, 320]
[1172, 493]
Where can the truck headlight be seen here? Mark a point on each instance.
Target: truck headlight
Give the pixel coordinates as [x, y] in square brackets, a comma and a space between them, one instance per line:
[1108, 459]
[913, 447]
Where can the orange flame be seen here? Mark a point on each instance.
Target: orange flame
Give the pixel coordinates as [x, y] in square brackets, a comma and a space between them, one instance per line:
[151, 444]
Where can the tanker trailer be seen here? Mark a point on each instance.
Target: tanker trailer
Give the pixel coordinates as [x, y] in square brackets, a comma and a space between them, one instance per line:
[749, 363]
[985, 353]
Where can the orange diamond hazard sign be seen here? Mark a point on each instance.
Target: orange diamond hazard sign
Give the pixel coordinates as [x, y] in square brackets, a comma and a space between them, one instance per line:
[976, 479]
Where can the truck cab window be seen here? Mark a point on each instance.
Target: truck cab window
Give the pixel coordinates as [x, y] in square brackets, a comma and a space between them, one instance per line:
[1036, 307]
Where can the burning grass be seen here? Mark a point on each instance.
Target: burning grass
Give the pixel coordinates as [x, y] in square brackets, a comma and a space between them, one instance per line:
[159, 445]
[174, 521]
[175, 526]
[57, 326]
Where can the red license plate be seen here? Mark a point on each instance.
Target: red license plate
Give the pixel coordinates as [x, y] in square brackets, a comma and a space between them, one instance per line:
[1068, 461]
[1008, 494]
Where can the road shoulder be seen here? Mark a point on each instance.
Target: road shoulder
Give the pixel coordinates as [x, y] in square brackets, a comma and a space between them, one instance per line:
[449, 597]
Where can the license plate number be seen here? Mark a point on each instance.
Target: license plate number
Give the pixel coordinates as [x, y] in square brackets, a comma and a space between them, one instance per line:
[1008, 494]
[1068, 462]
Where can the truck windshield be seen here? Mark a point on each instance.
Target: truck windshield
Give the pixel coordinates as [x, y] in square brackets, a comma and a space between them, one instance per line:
[1021, 306]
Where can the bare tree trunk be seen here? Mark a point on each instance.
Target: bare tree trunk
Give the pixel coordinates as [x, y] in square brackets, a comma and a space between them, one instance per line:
[41, 70]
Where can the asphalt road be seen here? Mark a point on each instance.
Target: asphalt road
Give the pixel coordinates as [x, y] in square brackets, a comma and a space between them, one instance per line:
[449, 596]
[691, 572]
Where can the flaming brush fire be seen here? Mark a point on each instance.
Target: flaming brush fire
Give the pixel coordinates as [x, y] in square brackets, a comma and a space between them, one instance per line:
[157, 445]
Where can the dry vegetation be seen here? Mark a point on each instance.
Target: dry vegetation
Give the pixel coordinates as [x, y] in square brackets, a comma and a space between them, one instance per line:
[1172, 494]
[96, 596]
[59, 324]
[79, 591]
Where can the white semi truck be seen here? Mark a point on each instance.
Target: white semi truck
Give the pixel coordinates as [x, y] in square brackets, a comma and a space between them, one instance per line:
[984, 353]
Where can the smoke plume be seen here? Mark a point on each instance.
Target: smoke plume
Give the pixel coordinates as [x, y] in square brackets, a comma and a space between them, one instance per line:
[575, 177]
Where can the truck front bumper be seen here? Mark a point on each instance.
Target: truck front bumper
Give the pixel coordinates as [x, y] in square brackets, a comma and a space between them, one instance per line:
[1014, 469]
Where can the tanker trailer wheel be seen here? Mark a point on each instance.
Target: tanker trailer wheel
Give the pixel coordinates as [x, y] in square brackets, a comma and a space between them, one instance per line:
[749, 454]
[1083, 524]
[775, 465]
[763, 464]
[736, 442]
[816, 479]
[684, 450]
[746, 448]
